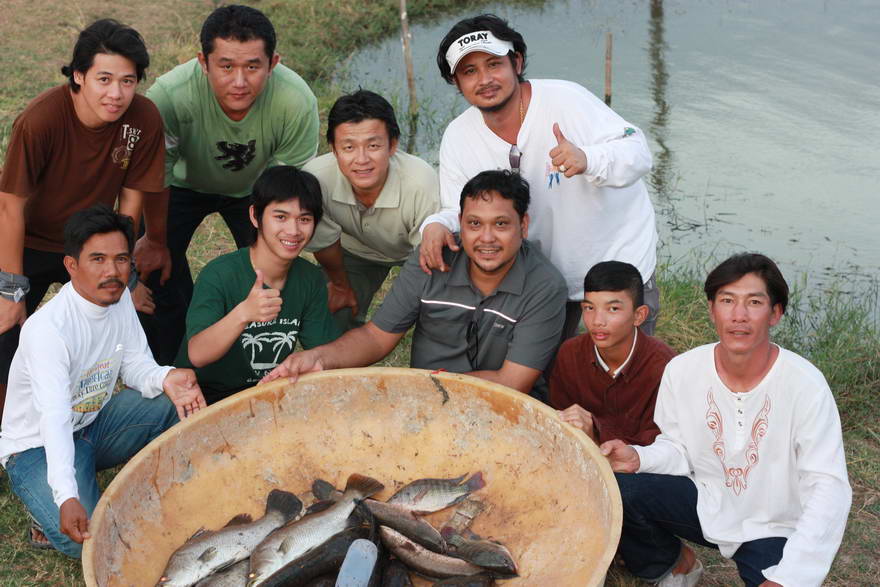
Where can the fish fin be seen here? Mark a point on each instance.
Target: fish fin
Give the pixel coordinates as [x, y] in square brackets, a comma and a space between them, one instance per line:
[475, 482]
[362, 486]
[208, 554]
[198, 533]
[285, 545]
[285, 503]
[239, 520]
[323, 489]
[319, 506]
[227, 565]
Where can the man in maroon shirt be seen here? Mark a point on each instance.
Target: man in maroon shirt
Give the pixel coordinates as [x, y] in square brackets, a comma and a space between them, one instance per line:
[605, 382]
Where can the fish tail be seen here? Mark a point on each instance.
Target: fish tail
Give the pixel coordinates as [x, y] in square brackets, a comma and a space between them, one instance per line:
[322, 489]
[362, 486]
[283, 502]
[475, 482]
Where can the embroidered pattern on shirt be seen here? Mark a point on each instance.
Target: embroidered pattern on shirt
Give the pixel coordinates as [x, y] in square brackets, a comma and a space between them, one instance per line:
[237, 155]
[737, 478]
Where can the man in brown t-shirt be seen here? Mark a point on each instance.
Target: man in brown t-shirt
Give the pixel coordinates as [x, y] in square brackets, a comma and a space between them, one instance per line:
[90, 140]
[605, 382]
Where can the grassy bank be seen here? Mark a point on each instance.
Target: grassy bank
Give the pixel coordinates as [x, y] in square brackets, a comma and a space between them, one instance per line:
[832, 331]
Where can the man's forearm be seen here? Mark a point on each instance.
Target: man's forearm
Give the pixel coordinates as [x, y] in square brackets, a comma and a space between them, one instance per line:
[131, 204]
[512, 375]
[212, 343]
[156, 215]
[12, 233]
[330, 259]
[359, 347]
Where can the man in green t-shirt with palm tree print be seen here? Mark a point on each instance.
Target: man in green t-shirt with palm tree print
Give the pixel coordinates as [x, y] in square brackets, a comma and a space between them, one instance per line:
[251, 307]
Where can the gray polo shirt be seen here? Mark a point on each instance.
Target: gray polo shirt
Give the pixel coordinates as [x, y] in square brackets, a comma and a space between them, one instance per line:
[521, 321]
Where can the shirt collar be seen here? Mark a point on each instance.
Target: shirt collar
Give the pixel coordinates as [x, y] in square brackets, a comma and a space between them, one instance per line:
[90, 309]
[389, 197]
[604, 365]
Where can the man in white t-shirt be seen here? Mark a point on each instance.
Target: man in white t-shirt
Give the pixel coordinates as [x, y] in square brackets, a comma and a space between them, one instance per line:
[584, 163]
[63, 421]
[750, 453]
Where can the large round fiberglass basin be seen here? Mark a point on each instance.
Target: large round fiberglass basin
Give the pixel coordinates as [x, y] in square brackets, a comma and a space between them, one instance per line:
[551, 497]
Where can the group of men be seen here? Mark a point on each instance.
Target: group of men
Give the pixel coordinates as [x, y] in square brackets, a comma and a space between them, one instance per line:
[537, 220]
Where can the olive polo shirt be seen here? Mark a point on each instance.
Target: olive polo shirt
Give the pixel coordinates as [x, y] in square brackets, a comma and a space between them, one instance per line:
[521, 321]
[388, 231]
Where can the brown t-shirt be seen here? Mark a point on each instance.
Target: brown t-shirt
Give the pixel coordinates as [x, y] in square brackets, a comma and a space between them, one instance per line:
[623, 406]
[62, 166]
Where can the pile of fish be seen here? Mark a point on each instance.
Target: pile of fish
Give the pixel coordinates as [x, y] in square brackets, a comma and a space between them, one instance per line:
[291, 545]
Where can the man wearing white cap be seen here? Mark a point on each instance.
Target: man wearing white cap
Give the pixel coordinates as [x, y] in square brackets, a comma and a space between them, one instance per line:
[583, 161]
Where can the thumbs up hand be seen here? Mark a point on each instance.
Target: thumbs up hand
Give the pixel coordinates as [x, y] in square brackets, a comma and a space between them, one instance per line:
[566, 156]
[262, 304]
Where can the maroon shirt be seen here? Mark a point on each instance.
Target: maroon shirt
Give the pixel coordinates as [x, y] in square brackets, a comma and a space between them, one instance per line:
[622, 407]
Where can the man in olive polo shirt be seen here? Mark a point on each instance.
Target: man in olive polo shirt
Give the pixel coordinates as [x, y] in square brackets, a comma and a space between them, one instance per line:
[375, 199]
[496, 314]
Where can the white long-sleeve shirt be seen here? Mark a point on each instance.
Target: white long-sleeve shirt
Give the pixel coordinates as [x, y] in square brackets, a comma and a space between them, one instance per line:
[70, 353]
[768, 462]
[603, 214]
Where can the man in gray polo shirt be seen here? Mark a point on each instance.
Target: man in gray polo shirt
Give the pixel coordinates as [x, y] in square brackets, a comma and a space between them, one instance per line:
[496, 314]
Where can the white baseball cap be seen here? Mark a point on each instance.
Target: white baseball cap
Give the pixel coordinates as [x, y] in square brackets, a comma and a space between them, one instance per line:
[483, 41]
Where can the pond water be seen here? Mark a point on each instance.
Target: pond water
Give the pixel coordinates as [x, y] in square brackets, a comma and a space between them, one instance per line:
[763, 117]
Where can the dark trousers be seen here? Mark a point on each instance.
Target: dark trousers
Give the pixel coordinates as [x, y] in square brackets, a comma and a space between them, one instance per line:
[43, 269]
[187, 209]
[660, 509]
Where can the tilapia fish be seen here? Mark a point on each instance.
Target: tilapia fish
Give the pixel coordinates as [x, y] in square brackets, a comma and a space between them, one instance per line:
[287, 544]
[424, 561]
[490, 555]
[432, 495]
[207, 552]
[392, 515]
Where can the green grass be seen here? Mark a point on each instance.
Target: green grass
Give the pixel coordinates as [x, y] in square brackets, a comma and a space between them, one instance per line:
[837, 333]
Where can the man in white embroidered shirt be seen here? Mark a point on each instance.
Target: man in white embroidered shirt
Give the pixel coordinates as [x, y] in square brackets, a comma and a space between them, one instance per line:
[750, 453]
[62, 421]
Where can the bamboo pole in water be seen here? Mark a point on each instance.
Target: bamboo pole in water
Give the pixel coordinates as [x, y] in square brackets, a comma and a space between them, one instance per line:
[406, 38]
[608, 43]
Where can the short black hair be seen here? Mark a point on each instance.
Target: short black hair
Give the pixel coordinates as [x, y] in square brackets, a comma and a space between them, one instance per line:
[359, 106]
[616, 276]
[110, 37]
[736, 267]
[509, 184]
[284, 183]
[98, 219]
[497, 25]
[238, 23]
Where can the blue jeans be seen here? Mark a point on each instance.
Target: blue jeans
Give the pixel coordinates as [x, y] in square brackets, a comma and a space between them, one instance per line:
[127, 423]
[660, 509]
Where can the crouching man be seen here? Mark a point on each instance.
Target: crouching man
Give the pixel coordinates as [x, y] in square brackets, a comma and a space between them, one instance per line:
[605, 382]
[495, 314]
[251, 307]
[62, 421]
[750, 453]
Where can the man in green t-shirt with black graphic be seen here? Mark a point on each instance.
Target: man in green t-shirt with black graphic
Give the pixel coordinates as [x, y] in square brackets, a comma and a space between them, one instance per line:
[251, 307]
[228, 115]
